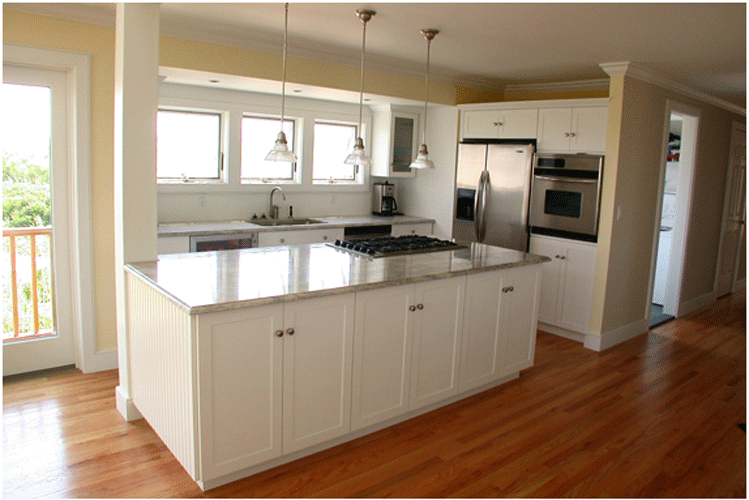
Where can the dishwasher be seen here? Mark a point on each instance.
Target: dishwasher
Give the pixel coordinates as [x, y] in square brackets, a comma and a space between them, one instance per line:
[212, 242]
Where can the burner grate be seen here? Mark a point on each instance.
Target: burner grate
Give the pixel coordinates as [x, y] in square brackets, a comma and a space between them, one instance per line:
[395, 245]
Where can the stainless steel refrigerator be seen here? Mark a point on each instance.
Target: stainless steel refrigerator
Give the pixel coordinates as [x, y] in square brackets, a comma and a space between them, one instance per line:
[492, 194]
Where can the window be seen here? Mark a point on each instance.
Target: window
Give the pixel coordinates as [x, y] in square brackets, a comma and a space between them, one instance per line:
[258, 136]
[333, 143]
[188, 145]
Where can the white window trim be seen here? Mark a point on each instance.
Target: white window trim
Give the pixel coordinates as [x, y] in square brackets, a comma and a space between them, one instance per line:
[239, 103]
[77, 67]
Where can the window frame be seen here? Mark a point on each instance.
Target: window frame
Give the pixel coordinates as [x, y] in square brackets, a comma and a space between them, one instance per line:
[222, 146]
[238, 103]
[356, 170]
[294, 145]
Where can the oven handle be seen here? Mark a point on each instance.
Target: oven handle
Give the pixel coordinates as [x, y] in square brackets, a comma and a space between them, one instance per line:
[572, 180]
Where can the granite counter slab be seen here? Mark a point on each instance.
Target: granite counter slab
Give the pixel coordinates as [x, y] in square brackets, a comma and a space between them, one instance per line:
[216, 281]
[234, 227]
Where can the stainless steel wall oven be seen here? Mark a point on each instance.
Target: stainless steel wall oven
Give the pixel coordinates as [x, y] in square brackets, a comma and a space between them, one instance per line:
[565, 195]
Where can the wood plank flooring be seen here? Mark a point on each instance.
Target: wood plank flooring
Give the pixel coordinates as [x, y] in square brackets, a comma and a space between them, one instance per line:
[653, 417]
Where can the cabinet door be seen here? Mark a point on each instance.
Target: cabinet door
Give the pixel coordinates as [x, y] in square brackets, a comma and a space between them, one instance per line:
[318, 341]
[519, 317]
[589, 126]
[481, 342]
[577, 286]
[550, 277]
[518, 124]
[481, 124]
[173, 244]
[382, 355]
[554, 128]
[239, 388]
[437, 327]
[422, 229]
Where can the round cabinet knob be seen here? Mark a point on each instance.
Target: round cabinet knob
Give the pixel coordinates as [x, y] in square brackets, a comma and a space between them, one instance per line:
[279, 333]
[562, 257]
[572, 134]
[325, 238]
[511, 289]
[505, 289]
[290, 331]
[420, 306]
[412, 308]
[413, 231]
[282, 240]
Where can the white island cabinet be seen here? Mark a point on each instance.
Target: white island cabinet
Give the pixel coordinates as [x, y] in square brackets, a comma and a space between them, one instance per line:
[246, 359]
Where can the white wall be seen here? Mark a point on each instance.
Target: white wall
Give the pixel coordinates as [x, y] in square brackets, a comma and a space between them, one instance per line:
[431, 192]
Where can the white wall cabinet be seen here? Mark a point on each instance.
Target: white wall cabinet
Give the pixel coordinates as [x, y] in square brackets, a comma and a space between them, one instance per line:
[408, 357]
[173, 244]
[420, 228]
[576, 129]
[500, 124]
[567, 291]
[273, 380]
[499, 326]
[299, 236]
[395, 140]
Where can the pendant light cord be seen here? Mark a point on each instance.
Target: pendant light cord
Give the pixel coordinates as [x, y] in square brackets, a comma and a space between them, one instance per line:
[426, 90]
[361, 76]
[285, 44]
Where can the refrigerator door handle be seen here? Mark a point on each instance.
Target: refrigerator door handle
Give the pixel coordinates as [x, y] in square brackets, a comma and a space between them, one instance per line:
[480, 208]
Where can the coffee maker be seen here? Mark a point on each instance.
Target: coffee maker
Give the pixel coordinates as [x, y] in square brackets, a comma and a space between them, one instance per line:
[383, 199]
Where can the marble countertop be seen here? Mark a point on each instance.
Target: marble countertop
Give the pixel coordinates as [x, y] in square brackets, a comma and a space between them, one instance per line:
[216, 281]
[229, 227]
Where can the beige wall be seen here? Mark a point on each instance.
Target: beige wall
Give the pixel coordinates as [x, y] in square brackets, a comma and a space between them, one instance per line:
[631, 175]
[98, 41]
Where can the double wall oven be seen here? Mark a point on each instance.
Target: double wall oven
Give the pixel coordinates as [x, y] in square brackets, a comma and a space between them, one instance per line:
[565, 195]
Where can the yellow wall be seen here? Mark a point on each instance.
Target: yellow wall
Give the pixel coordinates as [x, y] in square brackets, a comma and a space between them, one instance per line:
[637, 113]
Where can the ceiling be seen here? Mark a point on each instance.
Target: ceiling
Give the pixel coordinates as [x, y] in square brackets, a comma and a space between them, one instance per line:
[485, 45]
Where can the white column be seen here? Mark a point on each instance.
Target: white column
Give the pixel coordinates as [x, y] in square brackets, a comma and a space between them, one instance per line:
[136, 102]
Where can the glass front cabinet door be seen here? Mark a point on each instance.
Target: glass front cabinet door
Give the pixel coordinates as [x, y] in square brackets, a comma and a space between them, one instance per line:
[396, 136]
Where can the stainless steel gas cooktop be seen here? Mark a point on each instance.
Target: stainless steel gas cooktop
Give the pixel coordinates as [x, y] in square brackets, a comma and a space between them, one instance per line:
[394, 245]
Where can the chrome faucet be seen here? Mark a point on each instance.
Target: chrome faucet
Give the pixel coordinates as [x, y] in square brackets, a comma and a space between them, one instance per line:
[273, 210]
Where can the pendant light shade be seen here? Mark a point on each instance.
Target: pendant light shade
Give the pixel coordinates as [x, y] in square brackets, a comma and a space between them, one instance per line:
[359, 156]
[280, 151]
[422, 160]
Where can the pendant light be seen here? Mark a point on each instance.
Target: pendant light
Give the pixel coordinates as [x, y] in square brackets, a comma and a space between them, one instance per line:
[359, 156]
[280, 151]
[422, 159]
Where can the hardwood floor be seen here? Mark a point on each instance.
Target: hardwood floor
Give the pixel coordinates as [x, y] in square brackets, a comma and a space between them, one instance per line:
[656, 416]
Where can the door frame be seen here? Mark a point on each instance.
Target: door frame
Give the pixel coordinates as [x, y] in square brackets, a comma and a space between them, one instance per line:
[685, 189]
[77, 68]
[736, 284]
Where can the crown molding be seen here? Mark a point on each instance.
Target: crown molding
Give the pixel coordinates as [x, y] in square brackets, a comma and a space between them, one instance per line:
[626, 68]
[572, 86]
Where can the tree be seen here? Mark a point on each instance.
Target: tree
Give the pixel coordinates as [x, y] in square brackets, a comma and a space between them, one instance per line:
[26, 193]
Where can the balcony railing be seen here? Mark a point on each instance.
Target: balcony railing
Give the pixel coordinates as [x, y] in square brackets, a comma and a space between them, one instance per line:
[27, 283]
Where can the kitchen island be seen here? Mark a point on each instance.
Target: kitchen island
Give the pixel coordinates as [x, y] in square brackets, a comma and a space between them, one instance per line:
[243, 360]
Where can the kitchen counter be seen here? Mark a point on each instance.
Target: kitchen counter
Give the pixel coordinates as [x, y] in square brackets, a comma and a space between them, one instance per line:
[216, 281]
[230, 227]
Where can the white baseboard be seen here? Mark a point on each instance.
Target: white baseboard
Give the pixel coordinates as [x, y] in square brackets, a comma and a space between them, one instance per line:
[562, 332]
[614, 337]
[692, 305]
[100, 361]
[125, 405]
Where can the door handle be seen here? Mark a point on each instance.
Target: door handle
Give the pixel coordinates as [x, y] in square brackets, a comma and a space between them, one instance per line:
[480, 207]
[575, 180]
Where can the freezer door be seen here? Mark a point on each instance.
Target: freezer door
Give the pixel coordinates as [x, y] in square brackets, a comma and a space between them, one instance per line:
[471, 162]
[508, 194]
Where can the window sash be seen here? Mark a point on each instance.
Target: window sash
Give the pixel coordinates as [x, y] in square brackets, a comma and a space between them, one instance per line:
[328, 157]
[258, 134]
[191, 152]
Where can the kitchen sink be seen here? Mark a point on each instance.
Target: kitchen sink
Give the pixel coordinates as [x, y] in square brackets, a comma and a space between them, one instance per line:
[283, 222]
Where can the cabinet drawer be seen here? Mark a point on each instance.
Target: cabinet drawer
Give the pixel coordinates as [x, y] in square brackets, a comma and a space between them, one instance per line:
[298, 237]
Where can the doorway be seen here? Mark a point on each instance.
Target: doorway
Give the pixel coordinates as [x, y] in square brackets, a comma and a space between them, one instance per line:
[675, 188]
[37, 312]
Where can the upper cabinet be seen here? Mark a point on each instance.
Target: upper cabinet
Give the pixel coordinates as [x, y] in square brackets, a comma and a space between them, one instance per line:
[394, 141]
[500, 124]
[576, 129]
[574, 125]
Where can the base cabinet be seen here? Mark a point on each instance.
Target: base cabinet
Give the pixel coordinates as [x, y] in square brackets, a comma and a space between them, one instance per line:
[567, 293]
[272, 380]
[499, 328]
[299, 236]
[407, 357]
